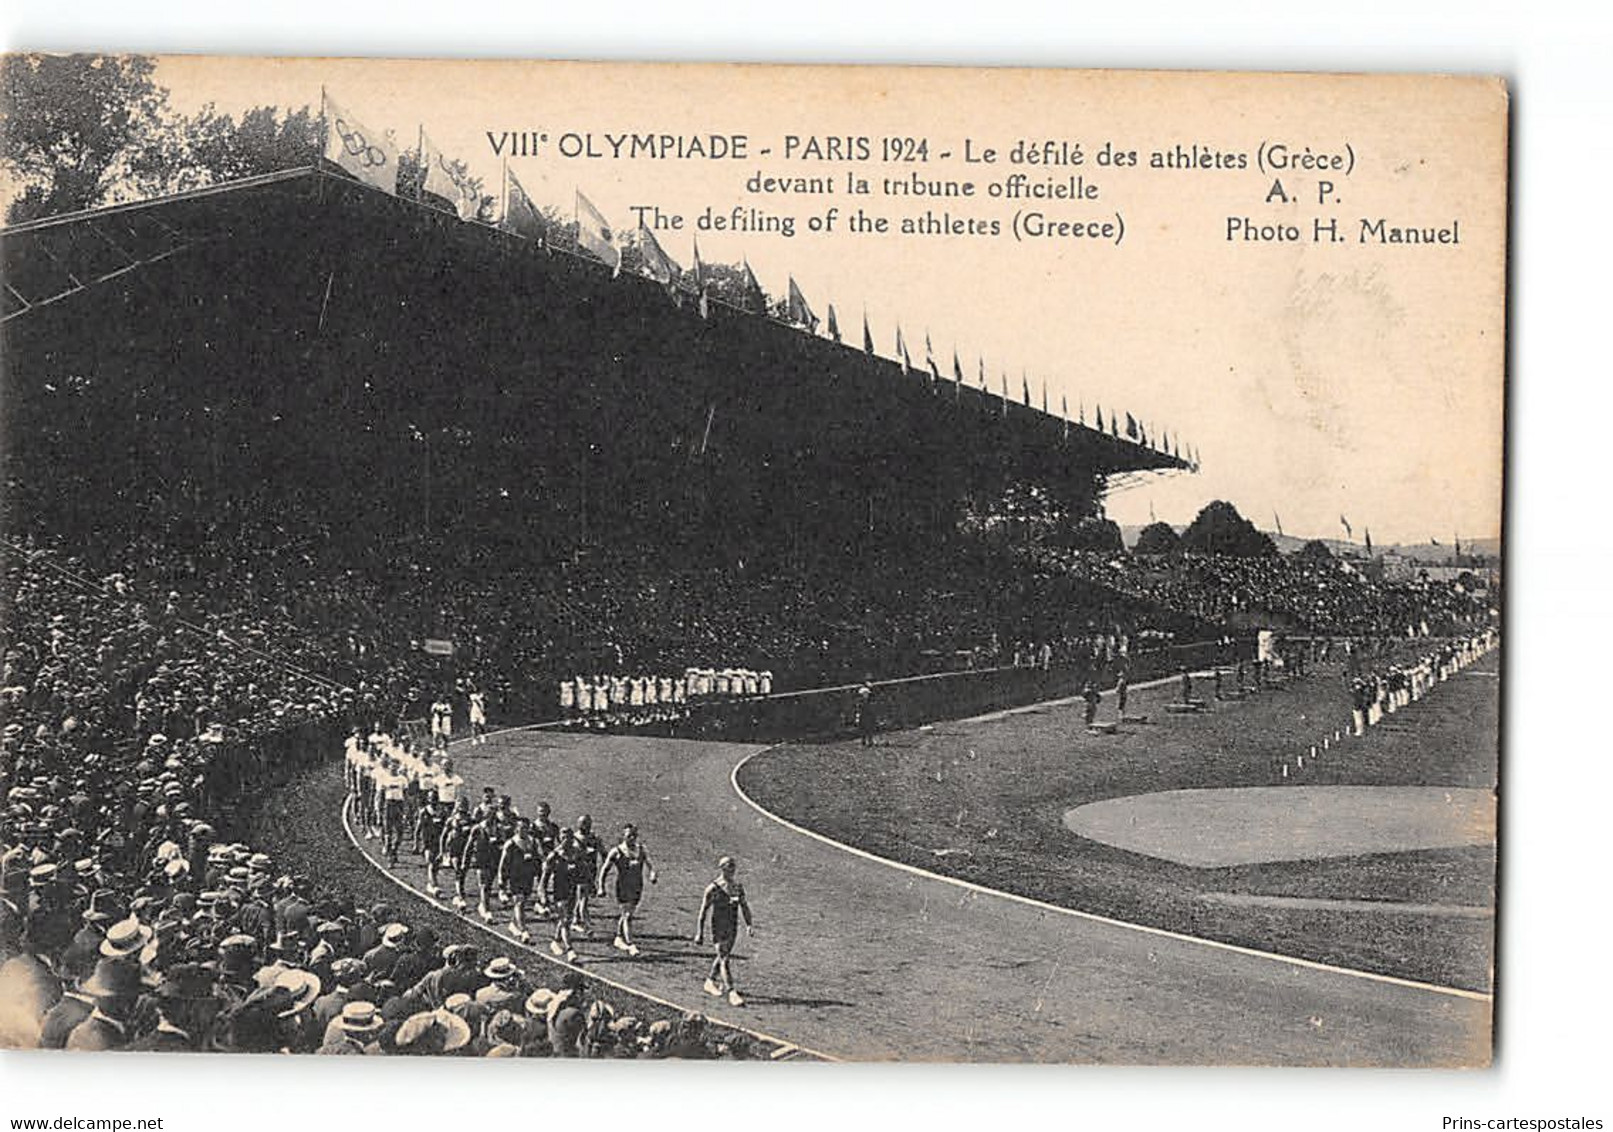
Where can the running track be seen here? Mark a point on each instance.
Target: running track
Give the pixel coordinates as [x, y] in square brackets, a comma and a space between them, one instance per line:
[857, 959]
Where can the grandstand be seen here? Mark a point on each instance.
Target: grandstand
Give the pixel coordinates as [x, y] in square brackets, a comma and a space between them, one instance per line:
[307, 330]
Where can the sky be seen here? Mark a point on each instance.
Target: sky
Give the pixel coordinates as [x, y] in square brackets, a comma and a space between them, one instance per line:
[1318, 381]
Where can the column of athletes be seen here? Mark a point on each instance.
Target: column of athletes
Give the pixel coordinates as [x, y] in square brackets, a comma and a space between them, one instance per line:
[600, 700]
[521, 865]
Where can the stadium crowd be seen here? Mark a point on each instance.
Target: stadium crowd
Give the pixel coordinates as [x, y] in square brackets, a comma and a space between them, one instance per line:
[150, 683]
[1330, 596]
[128, 922]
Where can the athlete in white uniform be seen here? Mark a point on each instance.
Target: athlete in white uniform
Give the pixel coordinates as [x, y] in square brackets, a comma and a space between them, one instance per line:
[442, 722]
[478, 717]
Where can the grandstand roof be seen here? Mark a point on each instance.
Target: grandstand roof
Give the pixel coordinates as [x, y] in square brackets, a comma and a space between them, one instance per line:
[57, 262]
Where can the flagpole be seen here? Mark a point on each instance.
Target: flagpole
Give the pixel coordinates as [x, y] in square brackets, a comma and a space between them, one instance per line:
[324, 143]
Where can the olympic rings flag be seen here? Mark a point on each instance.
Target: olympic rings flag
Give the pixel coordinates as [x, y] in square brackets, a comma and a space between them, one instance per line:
[367, 154]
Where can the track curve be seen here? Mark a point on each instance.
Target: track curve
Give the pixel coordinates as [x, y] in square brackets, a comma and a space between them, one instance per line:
[859, 959]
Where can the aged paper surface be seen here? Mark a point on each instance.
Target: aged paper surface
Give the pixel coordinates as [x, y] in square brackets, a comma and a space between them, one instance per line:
[1025, 542]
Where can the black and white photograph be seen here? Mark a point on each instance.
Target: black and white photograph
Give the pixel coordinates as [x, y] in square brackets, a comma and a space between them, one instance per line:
[789, 564]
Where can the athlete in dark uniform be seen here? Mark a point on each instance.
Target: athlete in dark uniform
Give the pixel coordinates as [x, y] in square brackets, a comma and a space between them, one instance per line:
[481, 853]
[631, 864]
[593, 855]
[725, 902]
[428, 831]
[454, 836]
[564, 875]
[519, 867]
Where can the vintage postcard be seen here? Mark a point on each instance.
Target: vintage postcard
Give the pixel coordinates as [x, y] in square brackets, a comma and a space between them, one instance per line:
[525, 559]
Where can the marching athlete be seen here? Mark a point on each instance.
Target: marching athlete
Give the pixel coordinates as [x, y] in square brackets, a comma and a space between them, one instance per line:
[518, 869]
[725, 902]
[631, 865]
[455, 837]
[481, 853]
[564, 875]
[478, 717]
[428, 832]
[393, 787]
[593, 855]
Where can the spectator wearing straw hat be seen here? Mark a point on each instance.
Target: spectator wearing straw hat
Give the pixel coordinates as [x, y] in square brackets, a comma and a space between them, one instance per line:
[114, 986]
[383, 957]
[432, 1032]
[235, 967]
[505, 988]
[346, 974]
[357, 1029]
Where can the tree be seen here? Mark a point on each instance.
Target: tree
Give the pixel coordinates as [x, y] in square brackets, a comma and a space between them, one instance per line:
[217, 148]
[727, 282]
[1096, 534]
[1219, 529]
[1158, 538]
[78, 131]
[1314, 551]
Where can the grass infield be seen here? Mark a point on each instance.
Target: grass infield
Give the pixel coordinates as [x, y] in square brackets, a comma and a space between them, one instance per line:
[985, 802]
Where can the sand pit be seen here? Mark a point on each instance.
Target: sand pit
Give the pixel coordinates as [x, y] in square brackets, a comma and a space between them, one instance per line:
[1221, 828]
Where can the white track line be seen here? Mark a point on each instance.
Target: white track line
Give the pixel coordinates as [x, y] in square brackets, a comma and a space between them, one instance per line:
[1092, 917]
[782, 1047]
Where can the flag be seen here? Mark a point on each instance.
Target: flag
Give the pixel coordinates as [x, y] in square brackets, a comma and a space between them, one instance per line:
[1114, 424]
[1100, 418]
[929, 360]
[445, 181]
[957, 369]
[797, 310]
[1081, 413]
[1369, 542]
[657, 264]
[1278, 519]
[868, 336]
[368, 155]
[901, 348]
[982, 372]
[1025, 388]
[700, 281]
[1345, 523]
[1131, 427]
[834, 324]
[1064, 410]
[1005, 392]
[755, 297]
[595, 235]
[1044, 395]
[521, 216]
